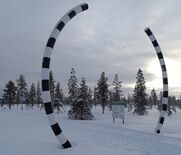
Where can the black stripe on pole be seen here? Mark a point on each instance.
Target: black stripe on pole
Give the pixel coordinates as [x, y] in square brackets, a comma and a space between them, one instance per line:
[51, 42]
[72, 14]
[164, 107]
[148, 32]
[165, 94]
[48, 108]
[45, 85]
[165, 81]
[60, 26]
[155, 43]
[66, 144]
[158, 131]
[160, 55]
[84, 7]
[163, 68]
[161, 120]
[56, 129]
[46, 62]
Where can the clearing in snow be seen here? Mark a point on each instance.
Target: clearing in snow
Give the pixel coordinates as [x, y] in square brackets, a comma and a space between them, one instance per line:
[27, 132]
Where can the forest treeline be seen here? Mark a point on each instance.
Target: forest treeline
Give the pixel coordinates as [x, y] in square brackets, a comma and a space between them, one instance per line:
[81, 98]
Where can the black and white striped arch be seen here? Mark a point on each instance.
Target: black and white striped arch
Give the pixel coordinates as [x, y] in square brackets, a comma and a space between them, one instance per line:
[46, 69]
[165, 80]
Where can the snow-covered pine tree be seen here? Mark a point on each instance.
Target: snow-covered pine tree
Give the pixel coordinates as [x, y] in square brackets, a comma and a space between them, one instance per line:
[153, 99]
[59, 93]
[102, 90]
[95, 97]
[111, 99]
[179, 102]
[82, 109]
[22, 91]
[9, 95]
[73, 92]
[174, 103]
[159, 107]
[90, 96]
[171, 105]
[130, 102]
[52, 86]
[140, 95]
[39, 100]
[117, 88]
[32, 96]
[58, 97]
[72, 87]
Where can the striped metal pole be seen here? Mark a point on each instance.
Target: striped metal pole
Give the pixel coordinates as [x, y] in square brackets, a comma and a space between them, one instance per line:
[46, 69]
[163, 111]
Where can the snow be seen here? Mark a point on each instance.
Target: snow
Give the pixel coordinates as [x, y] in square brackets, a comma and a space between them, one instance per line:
[28, 133]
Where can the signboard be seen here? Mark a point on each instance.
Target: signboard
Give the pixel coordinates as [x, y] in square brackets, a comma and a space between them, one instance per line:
[118, 110]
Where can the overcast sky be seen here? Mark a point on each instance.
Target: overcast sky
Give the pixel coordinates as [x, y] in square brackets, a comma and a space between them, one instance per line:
[108, 37]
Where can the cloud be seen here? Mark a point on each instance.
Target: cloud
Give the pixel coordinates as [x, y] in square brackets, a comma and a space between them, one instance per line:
[108, 37]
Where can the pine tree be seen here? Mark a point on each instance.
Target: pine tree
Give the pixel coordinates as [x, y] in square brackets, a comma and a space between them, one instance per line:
[111, 99]
[159, 107]
[130, 102]
[82, 109]
[102, 88]
[52, 86]
[171, 105]
[117, 88]
[1, 102]
[179, 102]
[73, 94]
[90, 96]
[32, 95]
[95, 97]
[153, 98]
[72, 87]
[10, 93]
[59, 93]
[39, 100]
[140, 95]
[22, 91]
[174, 103]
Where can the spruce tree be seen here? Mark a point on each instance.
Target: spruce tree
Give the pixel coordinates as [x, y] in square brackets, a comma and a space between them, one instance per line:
[95, 97]
[111, 97]
[59, 98]
[117, 88]
[102, 88]
[174, 103]
[171, 105]
[90, 96]
[52, 86]
[73, 94]
[72, 87]
[32, 95]
[82, 109]
[159, 107]
[59, 93]
[130, 102]
[39, 100]
[140, 95]
[10, 93]
[153, 98]
[22, 91]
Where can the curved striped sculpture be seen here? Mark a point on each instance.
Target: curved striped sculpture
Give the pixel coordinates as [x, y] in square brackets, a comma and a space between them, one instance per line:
[165, 80]
[46, 69]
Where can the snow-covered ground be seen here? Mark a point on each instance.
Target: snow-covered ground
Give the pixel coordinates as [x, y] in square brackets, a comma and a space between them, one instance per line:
[28, 133]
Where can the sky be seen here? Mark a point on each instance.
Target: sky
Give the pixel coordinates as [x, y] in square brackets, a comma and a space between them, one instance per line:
[108, 37]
